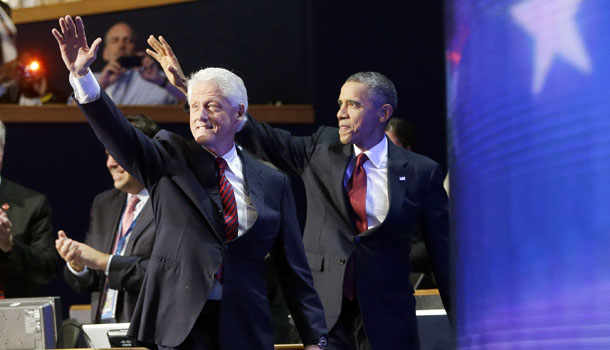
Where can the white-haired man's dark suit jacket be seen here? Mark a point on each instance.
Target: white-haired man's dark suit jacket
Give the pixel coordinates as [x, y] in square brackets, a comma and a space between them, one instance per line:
[190, 243]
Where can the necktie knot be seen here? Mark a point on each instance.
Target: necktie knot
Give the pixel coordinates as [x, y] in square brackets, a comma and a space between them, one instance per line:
[221, 165]
[360, 159]
[132, 202]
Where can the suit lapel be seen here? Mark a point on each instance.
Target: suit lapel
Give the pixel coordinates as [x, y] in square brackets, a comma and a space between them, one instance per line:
[339, 158]
[6, 196]
[112, 225]
[143, 221]
[254, 182]
[203, 192]
[397, 177]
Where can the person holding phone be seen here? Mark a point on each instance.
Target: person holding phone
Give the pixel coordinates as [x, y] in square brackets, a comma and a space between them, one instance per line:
[131, 77]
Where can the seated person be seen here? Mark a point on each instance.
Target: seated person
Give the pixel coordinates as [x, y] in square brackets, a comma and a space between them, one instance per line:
[130, 77]
[112, 262]
[27, 259]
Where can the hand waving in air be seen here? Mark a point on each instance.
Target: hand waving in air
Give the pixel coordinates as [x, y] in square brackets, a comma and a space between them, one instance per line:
[163, 53]
[75, 52]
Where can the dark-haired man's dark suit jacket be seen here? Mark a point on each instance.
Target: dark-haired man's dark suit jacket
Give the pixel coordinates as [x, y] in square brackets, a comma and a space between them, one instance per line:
[126, 272]
[31, 262]
[190, 245]
[416, 199]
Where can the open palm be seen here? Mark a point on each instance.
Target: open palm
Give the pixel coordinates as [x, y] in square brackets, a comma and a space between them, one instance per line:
[162, 52]
[75, 52]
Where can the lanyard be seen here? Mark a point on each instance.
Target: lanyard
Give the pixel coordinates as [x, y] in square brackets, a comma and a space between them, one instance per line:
[123, 238]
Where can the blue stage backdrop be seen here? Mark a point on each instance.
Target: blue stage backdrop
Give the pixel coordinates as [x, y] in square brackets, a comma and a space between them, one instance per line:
[529, 127]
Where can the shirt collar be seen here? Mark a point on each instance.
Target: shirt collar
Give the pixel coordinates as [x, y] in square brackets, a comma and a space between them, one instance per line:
[377, 154]
[232, 159]
[142, 195]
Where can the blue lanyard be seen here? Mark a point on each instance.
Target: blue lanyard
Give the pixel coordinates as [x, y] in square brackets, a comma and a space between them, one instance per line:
[123, 238]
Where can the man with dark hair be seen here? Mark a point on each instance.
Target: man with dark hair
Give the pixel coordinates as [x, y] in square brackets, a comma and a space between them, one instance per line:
[366, 197]
[27, 259]
[218, 213]
[112, 262]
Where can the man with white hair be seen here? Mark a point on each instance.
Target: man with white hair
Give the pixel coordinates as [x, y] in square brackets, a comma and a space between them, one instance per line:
[218, 212]
[27, 256]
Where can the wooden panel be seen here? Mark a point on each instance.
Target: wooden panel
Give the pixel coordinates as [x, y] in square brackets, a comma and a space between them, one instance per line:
[84, 7]
[286, 114]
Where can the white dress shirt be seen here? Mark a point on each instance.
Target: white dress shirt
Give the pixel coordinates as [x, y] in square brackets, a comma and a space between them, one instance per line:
[376, 168]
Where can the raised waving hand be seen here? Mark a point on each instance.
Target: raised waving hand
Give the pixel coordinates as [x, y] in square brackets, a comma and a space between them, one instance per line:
[75, 52]
[163, 53]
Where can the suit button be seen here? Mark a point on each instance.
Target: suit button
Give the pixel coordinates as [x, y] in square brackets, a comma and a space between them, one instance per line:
[342, 261]
[357, 239]
[211, 274]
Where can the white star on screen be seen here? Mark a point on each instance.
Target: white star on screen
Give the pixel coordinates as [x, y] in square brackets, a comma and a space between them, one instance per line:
[552, 26]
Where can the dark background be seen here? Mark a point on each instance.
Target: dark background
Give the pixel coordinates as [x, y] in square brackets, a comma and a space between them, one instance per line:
[295, 51]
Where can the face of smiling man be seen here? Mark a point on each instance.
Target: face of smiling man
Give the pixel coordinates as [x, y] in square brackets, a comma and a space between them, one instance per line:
[214, 120]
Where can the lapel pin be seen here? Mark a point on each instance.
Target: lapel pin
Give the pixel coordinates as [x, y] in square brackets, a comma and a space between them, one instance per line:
[402, 178]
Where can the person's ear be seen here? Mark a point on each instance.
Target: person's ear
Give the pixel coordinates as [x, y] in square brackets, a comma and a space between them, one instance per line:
[385, 112]
[240, 112]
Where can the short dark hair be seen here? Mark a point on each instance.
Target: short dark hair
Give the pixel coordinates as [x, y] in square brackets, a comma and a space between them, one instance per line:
[403, 131]
[146, 125]
[379, 85]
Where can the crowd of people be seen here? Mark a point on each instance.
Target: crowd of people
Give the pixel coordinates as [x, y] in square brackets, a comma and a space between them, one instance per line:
[185, 233]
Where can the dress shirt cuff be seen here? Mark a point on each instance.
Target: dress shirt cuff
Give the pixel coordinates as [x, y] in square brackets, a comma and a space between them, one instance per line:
[83, 273]
[107, 271]
[86, 88]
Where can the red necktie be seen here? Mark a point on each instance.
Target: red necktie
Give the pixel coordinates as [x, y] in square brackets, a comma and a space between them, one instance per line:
[229, 206]
[356, 191]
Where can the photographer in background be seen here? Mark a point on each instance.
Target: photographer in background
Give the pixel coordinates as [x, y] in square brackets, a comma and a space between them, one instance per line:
[23, 77]
[130, 77]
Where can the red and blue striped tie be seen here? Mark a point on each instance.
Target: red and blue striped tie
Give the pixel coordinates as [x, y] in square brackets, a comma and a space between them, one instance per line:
[229, 206]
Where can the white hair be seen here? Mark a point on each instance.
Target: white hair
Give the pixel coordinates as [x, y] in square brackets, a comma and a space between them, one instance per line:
[230, 85]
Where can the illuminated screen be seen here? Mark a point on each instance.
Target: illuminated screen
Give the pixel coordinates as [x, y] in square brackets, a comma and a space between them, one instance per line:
[529, 127]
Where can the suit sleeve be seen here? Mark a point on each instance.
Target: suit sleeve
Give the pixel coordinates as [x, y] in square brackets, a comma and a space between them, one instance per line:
[127, 272]
[134, 151]
[285, 151]
[294, 274]
[436, 233]
[33, 254]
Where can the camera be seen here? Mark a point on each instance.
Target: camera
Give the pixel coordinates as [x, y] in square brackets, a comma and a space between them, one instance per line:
[130, 61]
